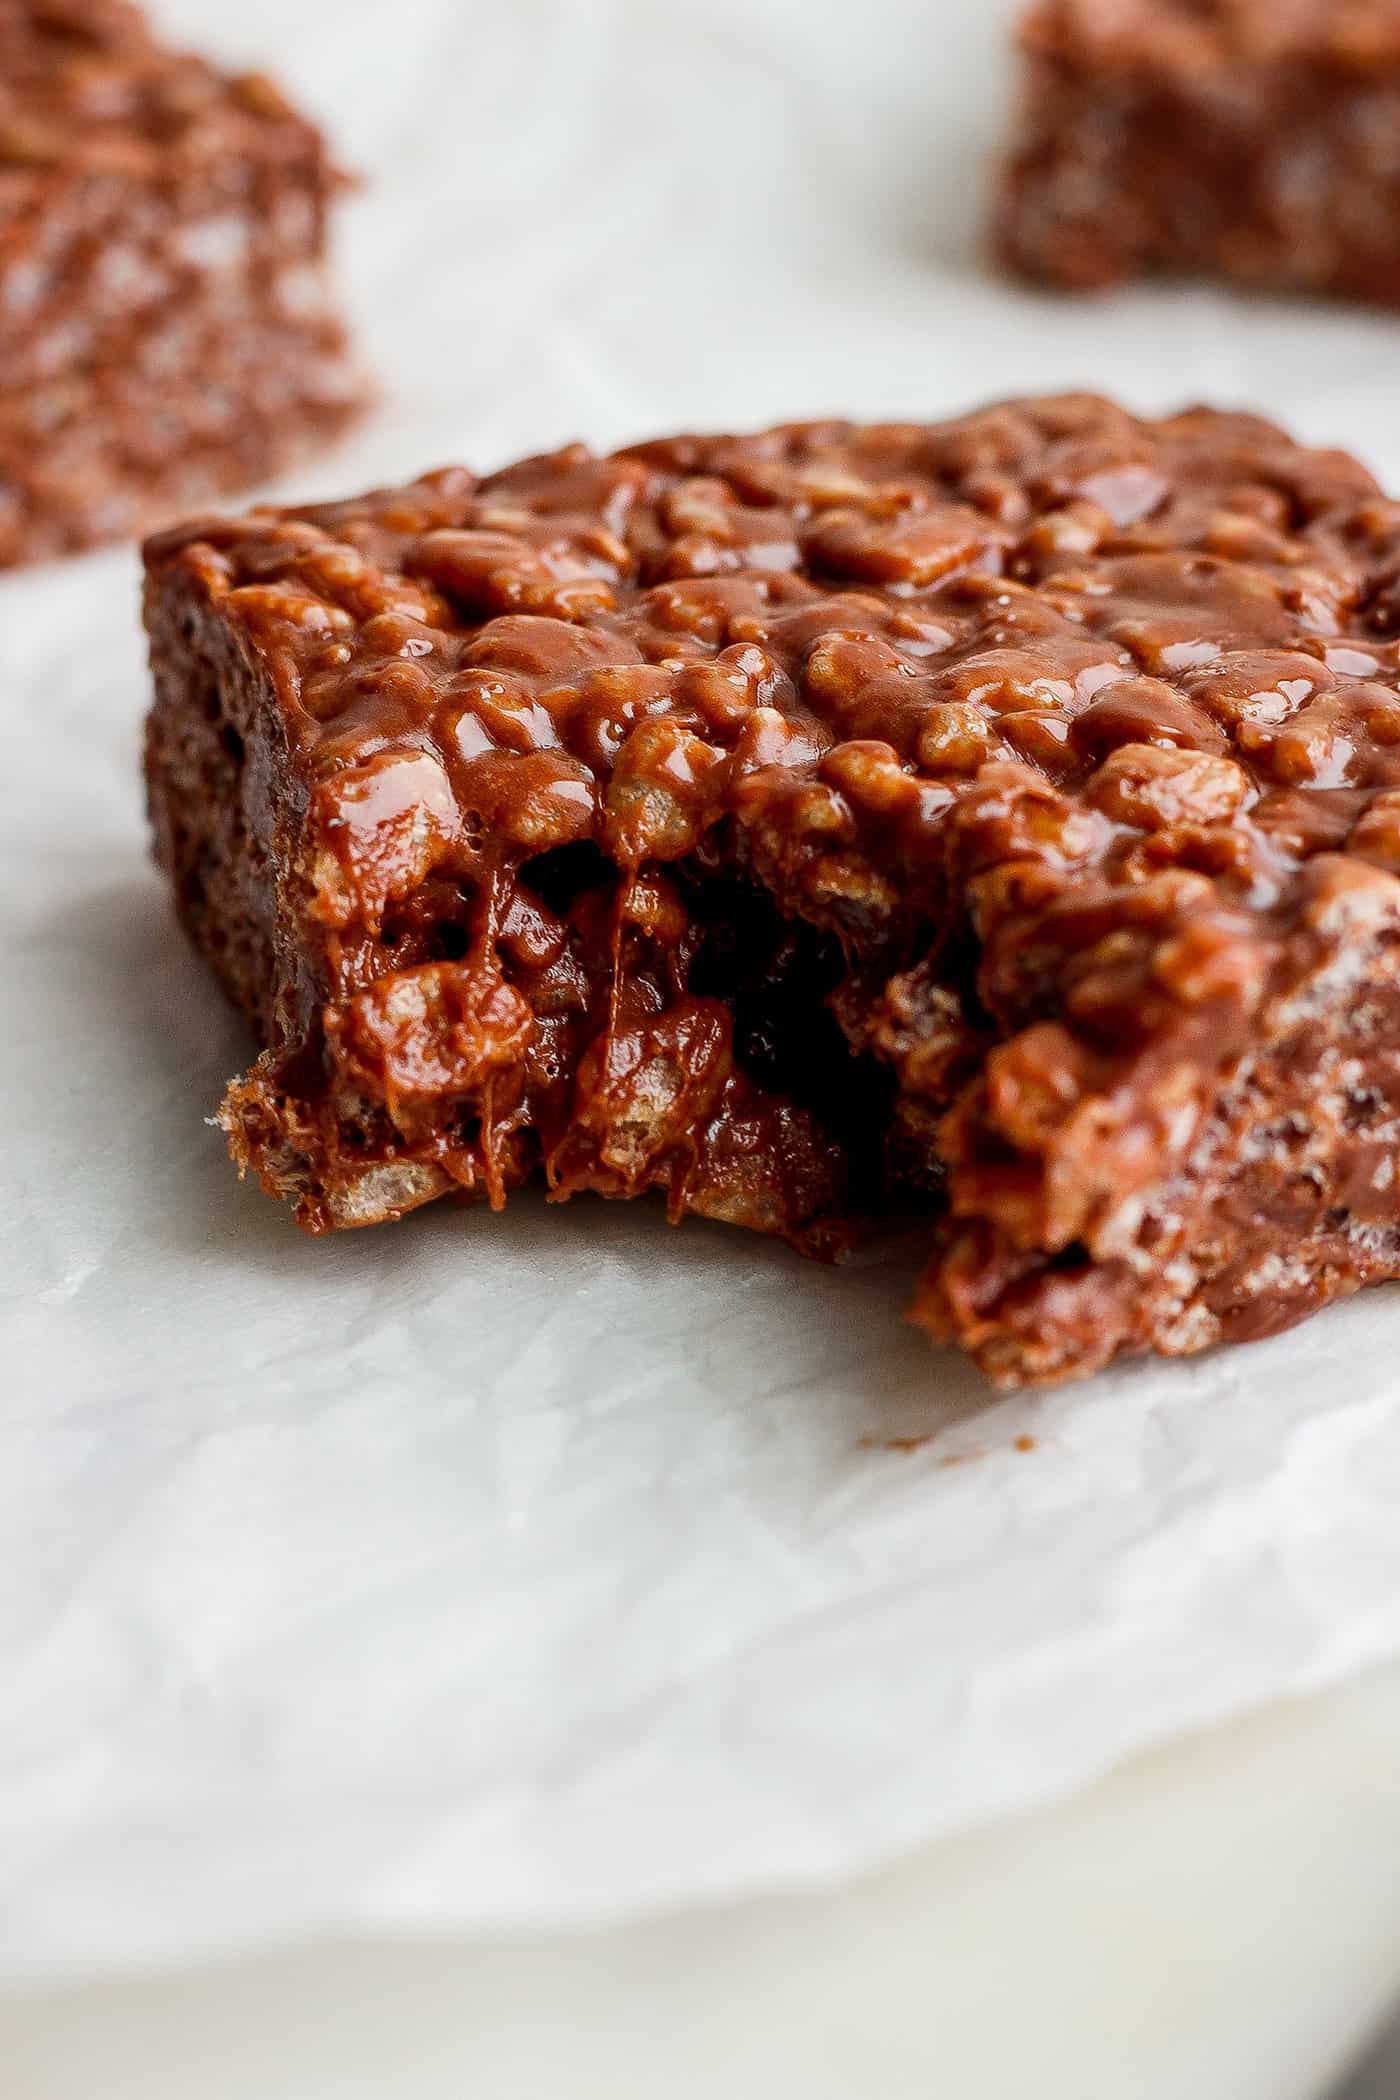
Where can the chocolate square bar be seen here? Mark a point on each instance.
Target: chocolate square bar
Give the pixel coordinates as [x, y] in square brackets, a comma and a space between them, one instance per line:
[1257, 140]
[166, 331]
[998, 818]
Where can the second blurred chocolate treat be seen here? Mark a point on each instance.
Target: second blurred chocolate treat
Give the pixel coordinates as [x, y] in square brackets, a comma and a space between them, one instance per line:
[1257, 140]
[167, 333]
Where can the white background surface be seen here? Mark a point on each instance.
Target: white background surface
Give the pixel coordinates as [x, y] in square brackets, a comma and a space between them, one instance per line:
[1217, 1922]
[491, 1618]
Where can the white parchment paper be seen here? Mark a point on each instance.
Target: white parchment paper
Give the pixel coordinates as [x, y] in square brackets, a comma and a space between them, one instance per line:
[482, 1570]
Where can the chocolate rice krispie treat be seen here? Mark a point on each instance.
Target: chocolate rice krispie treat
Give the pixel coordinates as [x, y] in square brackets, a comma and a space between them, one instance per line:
[998, 818]
[1257, 140]
[167, 334]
